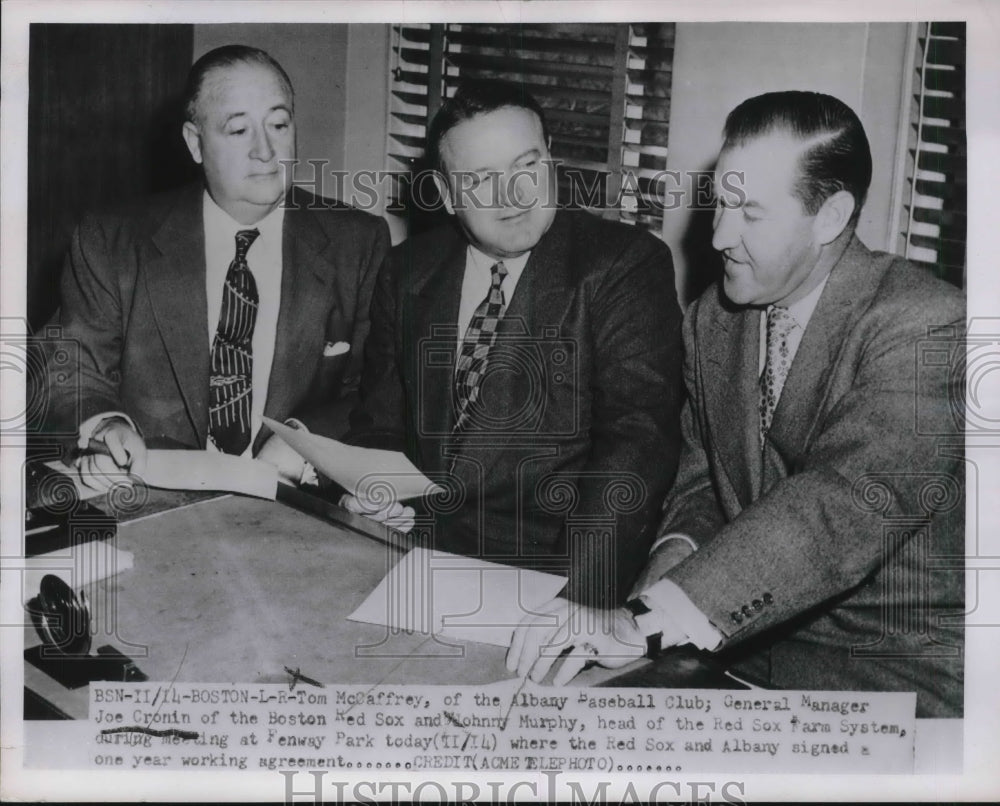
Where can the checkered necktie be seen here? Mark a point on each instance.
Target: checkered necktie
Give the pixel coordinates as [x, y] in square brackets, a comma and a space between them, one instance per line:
[231, 383]
[779, 325]
[479, 338]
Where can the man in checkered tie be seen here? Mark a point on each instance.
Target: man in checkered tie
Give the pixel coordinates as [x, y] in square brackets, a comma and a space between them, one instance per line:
[527, 358]
[815, 534]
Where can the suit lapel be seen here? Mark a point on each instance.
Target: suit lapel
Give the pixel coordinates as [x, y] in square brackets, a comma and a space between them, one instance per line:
[432, 307]
[307, 255]
[536, 310]
[731, 343]
[851, 282]
[175, 283]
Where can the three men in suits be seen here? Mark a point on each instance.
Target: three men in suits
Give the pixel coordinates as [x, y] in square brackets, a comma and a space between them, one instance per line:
[202, 309]
[527, 359]
[815, 533]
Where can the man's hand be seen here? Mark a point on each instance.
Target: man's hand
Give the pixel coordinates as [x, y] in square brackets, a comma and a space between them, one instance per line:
[607, 637]
[395, 515]
[668, 554]
[279, 453]
[116, 450]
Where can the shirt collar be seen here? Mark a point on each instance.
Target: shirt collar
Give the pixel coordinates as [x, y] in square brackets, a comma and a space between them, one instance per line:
[514, 265]
[802, 310]
[219, 221]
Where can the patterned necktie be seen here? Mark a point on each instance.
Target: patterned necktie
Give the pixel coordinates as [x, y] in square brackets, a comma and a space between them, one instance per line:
[779, 325]
[231, 383]
[479, 338]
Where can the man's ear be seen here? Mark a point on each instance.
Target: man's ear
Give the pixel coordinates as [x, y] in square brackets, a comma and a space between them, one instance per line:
[192, 139]
[443, 191]
[833, 216]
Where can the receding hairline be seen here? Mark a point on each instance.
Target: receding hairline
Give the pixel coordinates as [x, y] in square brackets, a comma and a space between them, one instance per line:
[217, 74]
[804, 144]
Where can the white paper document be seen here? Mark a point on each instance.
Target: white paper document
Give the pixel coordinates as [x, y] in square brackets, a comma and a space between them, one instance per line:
[364, 472]
[193, 470]
[457, 597]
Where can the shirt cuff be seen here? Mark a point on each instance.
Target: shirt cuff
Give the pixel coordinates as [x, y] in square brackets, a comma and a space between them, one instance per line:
[671, 603]
[673, 536]
[91, 424]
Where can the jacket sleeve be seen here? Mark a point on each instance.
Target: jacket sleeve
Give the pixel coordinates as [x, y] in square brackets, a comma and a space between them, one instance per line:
[83, 340]
[692, 507]
[813, 535]
[378, 417]
[634, 430]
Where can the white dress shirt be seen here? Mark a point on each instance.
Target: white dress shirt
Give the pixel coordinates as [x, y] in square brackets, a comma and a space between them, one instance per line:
[265, 261]
[668, 602]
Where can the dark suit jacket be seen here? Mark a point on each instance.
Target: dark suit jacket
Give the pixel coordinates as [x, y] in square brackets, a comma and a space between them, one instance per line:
[585, 399]
[835, 562]
[133, 297]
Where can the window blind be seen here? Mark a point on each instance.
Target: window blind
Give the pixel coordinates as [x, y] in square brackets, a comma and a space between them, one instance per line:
[934, 214]
[605, 90]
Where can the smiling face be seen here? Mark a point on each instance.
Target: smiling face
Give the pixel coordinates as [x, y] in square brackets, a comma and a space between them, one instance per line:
[244, 128]
[500, 180]
[771, 245]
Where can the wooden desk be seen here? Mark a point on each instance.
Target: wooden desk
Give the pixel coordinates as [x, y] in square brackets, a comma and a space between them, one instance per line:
[234, 589]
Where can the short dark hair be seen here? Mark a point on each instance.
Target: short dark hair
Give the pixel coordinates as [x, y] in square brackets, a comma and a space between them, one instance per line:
[836, 154]
[477, 97]
[226, 56]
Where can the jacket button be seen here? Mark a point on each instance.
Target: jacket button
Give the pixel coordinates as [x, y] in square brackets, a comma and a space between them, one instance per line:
[747, 611]
[736, 617]
[768, 599]
[757, 604]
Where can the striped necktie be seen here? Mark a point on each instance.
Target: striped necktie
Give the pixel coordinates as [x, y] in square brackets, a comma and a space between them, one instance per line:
[231, 382]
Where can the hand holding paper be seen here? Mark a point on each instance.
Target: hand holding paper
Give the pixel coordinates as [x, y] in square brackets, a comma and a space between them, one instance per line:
[366, 473]
[395, 515]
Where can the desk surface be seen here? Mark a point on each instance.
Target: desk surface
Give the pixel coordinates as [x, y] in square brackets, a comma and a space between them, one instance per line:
[235, 589]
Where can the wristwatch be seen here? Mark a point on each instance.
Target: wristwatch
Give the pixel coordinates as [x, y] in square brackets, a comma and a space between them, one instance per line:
[646, 624]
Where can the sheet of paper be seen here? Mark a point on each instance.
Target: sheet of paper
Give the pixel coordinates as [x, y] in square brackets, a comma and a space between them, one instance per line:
[457, 597]
[201, 471]
[358, 469]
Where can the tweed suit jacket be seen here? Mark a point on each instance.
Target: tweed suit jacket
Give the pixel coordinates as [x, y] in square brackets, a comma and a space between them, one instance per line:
[832, 559]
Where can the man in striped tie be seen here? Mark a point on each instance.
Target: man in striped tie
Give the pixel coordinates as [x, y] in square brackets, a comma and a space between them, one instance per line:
[527, 358]
[815, 534]
[200, 310]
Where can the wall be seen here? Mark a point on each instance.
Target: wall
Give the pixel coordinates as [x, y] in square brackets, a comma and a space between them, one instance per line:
[718, 65]
[103, 129]
[315, 58]
[340, 75]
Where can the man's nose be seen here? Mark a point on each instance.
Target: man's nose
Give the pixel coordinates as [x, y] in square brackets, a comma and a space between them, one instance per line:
[726, 228]
[512, 190]
[261, 148]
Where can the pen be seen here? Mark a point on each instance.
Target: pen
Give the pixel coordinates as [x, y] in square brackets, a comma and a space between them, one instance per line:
[99, 448]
